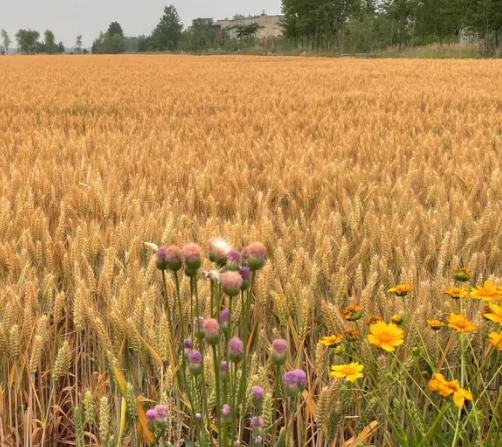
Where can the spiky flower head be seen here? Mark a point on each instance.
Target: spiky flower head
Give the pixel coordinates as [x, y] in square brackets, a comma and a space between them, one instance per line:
[294, 382]
[212, 331]
[279, 351]
[257, 396]
[256, 423]
[254, 256]
[233, 260]
[199, 325]
[235, 349]
[226, 413]
[245, 273]
[192, 255]
[195, 362]
[231, 283]
[187, 345]
[218, 250]
[169, 258]
[224, 317]
[160, 414]
[150, 417]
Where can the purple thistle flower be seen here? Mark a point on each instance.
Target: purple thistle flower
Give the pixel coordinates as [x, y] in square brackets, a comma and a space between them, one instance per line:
[226, 412]
[160, 413]
[235, 349]
[256, 423]
[257, 395]
[245, 273]
[231, 283]
[212, 331]
[150, 416]
[223, 367]
[187, 345]
[233, 260]
[279, 351]
[295, 381]
[224, 316]
[195, 362]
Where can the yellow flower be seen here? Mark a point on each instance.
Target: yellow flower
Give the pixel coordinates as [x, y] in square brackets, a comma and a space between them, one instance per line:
[401, 289]
[386, 336]
[496, 315]
[373, 319]
[460, 396]
[435, 325]
[397, 319]
[440, 385]
[496, 340]
[352, 313]
[460, 323]
[350, 372]
[456, 292]
[351, 334]
[332, 340]
[487, 291]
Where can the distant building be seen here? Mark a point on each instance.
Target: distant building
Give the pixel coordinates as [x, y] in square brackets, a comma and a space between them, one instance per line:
[202, 22]
[269, 26]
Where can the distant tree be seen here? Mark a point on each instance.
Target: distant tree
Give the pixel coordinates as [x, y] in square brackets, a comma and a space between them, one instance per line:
[200, 36]
[78, 45]
[27, 40]
[6, 41]
[50, 42]
[61, 48]
[167, 34]
[115, 28]
[108, 44]
[144, 44]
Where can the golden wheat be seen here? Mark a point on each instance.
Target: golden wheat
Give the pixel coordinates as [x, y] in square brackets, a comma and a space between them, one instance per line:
[355, 174]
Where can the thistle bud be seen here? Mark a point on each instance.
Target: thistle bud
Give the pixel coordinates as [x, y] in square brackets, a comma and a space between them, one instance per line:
[257, 395]
[279, 351]
[195, 362]
[294, 382]
[233, 260]
[199, 327]
[231, 283]
[187, 345]
[218, 250]
[150, 417]
[226, 413]
[235, 349]
[192, 256]
[169, 258]
[245, 273]
[254, 256]
[212, 331]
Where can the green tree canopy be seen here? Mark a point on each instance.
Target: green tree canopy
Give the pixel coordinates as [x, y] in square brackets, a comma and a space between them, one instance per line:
[167, 34]
[27, 40]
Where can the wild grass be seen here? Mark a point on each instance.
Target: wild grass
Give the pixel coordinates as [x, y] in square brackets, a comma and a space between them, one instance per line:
[357, 175]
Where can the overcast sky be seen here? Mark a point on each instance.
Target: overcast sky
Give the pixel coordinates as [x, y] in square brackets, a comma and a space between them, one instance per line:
[69, 18]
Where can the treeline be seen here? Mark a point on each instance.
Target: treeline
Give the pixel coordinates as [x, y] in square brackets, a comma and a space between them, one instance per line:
[28, 42]
[368, 25]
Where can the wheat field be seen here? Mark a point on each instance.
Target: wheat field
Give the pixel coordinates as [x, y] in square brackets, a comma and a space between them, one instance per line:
[357, 175]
